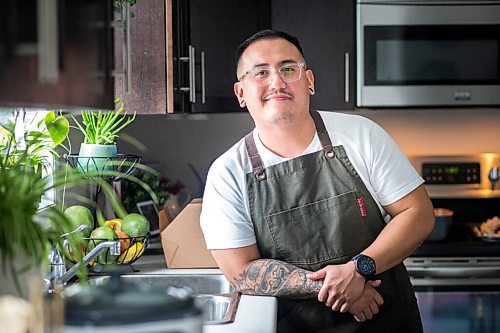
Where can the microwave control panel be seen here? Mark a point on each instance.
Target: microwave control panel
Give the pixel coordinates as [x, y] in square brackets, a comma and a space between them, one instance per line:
[451, 173]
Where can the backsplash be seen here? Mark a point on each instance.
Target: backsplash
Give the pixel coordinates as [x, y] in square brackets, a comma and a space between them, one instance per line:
[441, 131]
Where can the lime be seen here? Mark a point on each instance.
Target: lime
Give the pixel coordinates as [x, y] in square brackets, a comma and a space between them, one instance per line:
[79, 215]
[135, 225]
[103, 233]
[99, 235]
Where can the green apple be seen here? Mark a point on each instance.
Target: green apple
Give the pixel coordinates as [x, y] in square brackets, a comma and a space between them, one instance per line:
[79, 215]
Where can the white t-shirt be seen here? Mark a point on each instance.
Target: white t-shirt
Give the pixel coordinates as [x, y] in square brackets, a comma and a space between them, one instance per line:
[381, 165]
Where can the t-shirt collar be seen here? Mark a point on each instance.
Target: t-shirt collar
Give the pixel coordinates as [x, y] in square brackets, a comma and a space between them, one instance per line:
[270, 158]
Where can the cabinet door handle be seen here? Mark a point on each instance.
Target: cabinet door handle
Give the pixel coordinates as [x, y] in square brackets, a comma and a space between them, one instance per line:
[202, 77]
[346, 77]
[48, 47]
[190, 65]
[192, 74]
[128, 51]
[126, 71]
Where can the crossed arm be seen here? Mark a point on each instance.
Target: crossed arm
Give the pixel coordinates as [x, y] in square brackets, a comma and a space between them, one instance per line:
[338, 286]
[276, 278]
[254, 276]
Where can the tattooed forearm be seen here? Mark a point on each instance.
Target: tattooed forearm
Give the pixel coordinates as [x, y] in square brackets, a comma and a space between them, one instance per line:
[276, 278]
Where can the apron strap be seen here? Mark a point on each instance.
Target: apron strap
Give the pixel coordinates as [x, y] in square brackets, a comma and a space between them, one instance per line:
[255, 160]
[323, 136]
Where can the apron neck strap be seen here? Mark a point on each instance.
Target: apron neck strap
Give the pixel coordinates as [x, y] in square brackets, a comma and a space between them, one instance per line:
[255, 160]
[323, 136]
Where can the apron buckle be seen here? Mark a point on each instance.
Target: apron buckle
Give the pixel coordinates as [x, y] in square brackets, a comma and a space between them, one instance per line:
[260, 175]
[330, 154]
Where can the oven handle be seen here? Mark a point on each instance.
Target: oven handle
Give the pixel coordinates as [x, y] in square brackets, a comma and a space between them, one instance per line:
[453, 272]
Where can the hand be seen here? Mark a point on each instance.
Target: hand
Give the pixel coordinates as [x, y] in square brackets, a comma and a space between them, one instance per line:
[342, 285]
[367, 305]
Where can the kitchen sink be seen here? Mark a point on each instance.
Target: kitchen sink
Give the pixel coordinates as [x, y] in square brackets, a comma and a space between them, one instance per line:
[211, 292]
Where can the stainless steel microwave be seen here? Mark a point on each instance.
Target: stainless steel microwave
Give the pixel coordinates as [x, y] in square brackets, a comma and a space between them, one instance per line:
[428, 53]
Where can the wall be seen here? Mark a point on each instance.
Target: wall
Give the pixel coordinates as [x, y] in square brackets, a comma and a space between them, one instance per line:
[175, 141]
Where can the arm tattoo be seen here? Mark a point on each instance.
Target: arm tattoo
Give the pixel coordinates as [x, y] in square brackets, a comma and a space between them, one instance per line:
[268, 277]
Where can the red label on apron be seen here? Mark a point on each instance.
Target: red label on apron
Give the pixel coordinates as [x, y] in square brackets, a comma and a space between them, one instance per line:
[362, 208]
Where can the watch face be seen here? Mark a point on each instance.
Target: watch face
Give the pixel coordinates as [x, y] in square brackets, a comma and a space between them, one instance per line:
[365, 265]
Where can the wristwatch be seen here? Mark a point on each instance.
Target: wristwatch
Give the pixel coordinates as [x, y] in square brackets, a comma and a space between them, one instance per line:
[365, 266]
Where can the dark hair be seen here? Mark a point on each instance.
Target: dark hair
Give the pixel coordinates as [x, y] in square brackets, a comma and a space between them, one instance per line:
[267, 34]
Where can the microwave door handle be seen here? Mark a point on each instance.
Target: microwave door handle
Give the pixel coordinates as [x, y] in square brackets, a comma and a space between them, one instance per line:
[346, 77]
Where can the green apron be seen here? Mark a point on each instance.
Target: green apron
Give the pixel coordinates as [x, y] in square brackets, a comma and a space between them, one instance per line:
[313, 211]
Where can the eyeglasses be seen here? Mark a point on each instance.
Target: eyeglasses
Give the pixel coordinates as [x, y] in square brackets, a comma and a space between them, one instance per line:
[262, 75]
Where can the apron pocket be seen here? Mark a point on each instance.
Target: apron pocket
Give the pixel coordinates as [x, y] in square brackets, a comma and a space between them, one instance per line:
[326, 230]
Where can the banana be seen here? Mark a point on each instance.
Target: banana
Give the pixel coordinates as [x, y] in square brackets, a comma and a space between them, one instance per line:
[133, 252]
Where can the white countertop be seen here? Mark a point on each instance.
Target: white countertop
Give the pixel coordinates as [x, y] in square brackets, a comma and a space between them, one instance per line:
[254, 314]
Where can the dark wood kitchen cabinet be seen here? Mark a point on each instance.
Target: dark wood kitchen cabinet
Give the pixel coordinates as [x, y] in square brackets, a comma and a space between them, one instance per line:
[56, 54]
[206, 35]
[140, 58]
[326, 31]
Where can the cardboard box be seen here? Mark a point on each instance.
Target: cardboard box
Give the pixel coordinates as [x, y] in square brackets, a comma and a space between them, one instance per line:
[164, 219]
[183, 242]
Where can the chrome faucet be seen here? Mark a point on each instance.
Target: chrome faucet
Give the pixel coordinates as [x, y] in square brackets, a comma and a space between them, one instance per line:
[114, 249]
[59, 275]
[57, 266]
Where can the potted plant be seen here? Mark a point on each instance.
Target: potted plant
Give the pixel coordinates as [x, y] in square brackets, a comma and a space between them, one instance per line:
[100, 131]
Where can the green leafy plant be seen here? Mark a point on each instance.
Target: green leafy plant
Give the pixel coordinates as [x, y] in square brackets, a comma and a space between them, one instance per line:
[39, 143]
[103, 128]
[24, 229]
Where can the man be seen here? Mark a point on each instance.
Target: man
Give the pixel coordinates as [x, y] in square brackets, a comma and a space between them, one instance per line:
[319, 210]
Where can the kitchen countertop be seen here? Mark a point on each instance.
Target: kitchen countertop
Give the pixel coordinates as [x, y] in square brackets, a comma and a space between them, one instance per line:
[255, 313]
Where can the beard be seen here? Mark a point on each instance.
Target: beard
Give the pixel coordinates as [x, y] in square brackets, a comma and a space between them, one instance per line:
[282, 117]
[279, 115]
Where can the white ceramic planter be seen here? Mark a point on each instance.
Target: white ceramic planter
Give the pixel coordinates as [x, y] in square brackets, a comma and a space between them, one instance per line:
[93, 157]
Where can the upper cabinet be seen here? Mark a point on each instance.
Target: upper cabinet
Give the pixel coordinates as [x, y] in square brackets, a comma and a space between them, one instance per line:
[205, 37]
[140, 56]
[56, 54]
[326, 31]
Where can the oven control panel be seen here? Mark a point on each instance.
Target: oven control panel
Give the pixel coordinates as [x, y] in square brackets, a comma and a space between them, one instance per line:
[460, 176]
[451, 173]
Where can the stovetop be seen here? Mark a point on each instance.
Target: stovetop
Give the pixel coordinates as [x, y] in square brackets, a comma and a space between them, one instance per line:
[460, 242]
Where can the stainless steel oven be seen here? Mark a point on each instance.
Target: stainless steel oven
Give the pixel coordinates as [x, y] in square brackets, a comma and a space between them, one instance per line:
[457, 278]
[466, 311]
[428, 53]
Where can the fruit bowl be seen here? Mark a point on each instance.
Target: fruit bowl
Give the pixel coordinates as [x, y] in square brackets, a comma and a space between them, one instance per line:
[131, 249]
